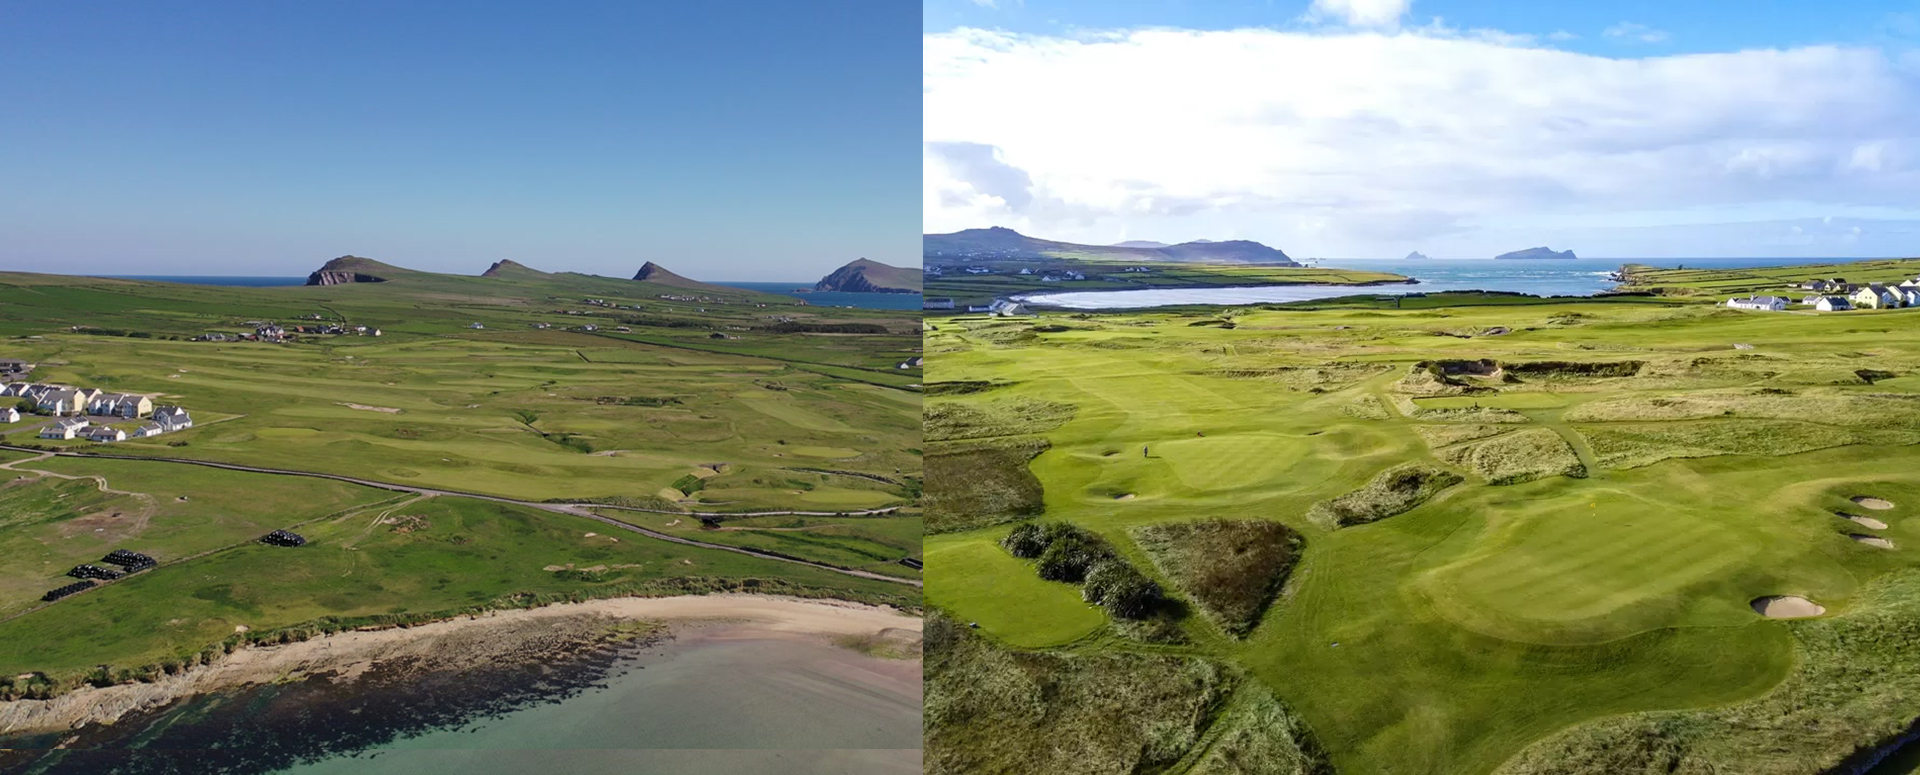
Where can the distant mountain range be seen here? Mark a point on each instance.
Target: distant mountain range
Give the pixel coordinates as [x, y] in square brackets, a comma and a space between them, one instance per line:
[1415, 256]
[1006, 244]
[1140, 243]
[1535, 253]
[357, 269]
[863, 276]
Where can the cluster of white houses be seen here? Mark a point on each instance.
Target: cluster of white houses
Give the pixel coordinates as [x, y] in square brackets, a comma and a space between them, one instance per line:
[76, 408]
[1838, 294]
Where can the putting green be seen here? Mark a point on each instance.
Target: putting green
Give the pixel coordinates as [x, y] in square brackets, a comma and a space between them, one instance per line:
[975, 579]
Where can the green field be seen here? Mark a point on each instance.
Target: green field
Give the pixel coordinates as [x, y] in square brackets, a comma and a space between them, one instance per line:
[1107, 275]
[713, 407]
[1632, 482]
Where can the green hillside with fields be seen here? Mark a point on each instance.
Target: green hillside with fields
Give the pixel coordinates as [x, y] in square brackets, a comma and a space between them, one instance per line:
[444, 442]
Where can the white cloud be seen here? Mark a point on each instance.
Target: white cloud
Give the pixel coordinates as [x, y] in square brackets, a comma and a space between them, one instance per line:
[1562, 35]
[1360, 13]
[1636, 32]
[1372, 144]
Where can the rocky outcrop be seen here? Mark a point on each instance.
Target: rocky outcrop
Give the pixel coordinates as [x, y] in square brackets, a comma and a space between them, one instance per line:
[349, 269]
[1536, 253]
[863, 276]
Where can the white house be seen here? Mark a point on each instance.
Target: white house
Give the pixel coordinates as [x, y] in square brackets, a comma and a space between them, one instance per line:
[62, 401]
[106, 434]
[148, 430]
[1875, 296]
[1832, 304]
[1909, 297]
[171, 418]
[1771, 303]
[120, 405]
[9, 414]
[64, 429]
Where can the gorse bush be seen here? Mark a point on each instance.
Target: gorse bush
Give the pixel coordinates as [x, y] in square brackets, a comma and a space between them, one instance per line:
[1067, 553]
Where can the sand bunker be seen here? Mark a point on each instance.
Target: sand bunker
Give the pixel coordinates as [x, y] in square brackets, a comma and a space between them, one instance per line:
[1872, 503]
[365, 408]
[1872, 540]
[1786, 607]
[1125, 496]
[1867, 522]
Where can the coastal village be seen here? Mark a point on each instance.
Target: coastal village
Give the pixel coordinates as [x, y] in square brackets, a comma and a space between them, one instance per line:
[1837, 295]
[85, 413]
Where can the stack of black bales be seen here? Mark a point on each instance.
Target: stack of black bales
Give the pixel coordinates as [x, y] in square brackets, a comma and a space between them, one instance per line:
[94, 572]
[69, 589]
[283, 538]
[133, 562]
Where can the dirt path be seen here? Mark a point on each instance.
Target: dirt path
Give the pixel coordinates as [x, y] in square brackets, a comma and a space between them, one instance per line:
[571, 509]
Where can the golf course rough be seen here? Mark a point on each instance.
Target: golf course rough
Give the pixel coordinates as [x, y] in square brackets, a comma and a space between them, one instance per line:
[1530, 554]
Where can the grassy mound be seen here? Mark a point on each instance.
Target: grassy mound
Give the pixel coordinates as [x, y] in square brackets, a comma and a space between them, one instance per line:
[1857, 685]
[947, 421]
[1517, 457]
[1062, 551]
[993, 710]
[1438, 436]
[1263, 738]
[981, 484]
[1394, 491]
[1230, 568]
[1367, 407]
[1828, 407]
[1631, 445]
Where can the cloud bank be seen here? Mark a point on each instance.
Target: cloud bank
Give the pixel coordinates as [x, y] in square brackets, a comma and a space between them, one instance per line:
[1372, 143]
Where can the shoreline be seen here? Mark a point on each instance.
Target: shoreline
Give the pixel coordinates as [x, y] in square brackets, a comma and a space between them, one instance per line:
[452, 644]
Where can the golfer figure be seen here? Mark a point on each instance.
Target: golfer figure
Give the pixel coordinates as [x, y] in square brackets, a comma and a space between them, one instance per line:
[1143, 451]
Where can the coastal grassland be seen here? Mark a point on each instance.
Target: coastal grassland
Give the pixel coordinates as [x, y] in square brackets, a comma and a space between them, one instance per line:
[523, 419]
[990, 709]
[1504, 609]
[979, 483]
[168, 512]
[1230, 567]
[1778, 280]
[390, 563]
[869, 543]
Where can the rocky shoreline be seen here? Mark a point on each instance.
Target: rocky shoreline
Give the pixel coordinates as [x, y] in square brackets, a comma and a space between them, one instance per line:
[586, 632]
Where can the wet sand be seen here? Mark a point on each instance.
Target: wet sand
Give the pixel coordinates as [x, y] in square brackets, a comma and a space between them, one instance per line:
[450, 646]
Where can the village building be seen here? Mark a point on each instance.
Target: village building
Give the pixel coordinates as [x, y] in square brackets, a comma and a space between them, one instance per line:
[148, 431]
[936, 304]
[1770, 303]
[66, 428]
[1875, 296]
[1833, 304]
[171, 418]
[910, 363]
[106, 434]
[9, 415]
[120, 405]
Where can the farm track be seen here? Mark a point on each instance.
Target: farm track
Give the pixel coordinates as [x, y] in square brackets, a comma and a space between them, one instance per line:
[570, 509]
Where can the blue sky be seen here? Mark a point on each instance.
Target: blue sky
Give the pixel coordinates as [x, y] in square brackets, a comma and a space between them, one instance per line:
[729, 141]
[1370, 128]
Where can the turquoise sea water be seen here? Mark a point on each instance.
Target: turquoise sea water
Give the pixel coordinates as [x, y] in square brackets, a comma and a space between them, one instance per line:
[1547, 277]
[835, 298]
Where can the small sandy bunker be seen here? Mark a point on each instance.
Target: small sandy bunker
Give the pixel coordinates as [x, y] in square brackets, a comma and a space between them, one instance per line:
[1870, 502]
[1786, 607]
[1867, 522]
[1872, 540]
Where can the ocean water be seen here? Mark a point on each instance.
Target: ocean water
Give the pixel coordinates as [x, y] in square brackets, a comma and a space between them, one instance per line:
[713, 699]
[835, 298]
[195, 279]
[1545, 277]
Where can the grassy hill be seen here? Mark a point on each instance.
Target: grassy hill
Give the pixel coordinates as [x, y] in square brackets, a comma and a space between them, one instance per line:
[1006, 244]
[863, 276]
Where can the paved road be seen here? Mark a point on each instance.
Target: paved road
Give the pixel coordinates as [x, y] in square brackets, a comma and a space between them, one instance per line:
[572, 509]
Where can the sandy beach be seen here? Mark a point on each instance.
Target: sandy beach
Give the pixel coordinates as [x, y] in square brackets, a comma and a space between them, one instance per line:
[468, 640]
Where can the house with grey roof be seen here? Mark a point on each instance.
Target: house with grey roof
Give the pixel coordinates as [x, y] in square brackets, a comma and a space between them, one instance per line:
[65, 428]
[171, 418]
